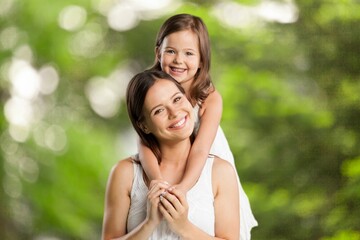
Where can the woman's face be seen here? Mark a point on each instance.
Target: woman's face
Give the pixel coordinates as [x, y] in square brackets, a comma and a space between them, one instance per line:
[179, 56]
[168, 113]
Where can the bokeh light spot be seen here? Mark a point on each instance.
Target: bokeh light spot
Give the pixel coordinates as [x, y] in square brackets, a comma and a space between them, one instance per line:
[29, 169]
[12, 185]
[5, 7]
[55, 138]
[49, 80]
[72, 18]
[25, 79]
[88, 42]
[9, 38]
[18, 111]
[122, 17]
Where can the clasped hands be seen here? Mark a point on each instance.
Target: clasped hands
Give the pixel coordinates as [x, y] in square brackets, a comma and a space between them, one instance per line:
[168, 202]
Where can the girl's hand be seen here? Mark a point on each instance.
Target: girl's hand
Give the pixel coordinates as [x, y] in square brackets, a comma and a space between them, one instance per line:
[156, 181]
[174, 208]
[153, 214]
[181, 188]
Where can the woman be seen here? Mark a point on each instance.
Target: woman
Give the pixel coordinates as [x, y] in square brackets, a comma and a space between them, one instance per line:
[164, 120]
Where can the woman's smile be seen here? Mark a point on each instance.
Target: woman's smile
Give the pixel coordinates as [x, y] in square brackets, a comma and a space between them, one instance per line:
[179, 124]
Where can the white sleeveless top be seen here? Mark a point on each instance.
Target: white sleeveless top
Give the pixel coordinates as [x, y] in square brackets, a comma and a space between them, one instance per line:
[200, 200]
[221, 148]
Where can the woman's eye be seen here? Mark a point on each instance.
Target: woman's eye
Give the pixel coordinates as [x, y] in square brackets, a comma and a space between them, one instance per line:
[158, 111]
[177, 99]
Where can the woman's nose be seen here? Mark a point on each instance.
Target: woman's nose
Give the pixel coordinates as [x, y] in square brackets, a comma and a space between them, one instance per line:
[172, 112]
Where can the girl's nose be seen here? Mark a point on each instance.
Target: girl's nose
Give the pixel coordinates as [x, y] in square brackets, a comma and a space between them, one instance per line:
[177, 58]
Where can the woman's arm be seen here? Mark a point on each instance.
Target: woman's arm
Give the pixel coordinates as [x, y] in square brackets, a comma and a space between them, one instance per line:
[227, 202]
[209, 123]
[149, 162]
[117, 204]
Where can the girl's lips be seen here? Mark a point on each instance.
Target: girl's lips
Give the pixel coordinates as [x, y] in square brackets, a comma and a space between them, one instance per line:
[177, 70]
[178, 124]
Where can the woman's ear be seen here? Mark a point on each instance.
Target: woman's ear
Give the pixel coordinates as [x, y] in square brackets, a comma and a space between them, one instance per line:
[143, 128]
[157, 53]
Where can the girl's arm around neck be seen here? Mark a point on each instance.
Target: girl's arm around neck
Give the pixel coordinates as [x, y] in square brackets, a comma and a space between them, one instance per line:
[117, 205]
[149, 162]
[211, 112]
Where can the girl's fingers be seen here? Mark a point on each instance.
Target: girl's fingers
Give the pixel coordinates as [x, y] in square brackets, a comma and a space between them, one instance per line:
[156, 182]
[158, 186]
[155, 193]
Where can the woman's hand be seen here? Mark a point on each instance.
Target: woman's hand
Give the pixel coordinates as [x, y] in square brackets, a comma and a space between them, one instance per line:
[158, 187]
[174, 208]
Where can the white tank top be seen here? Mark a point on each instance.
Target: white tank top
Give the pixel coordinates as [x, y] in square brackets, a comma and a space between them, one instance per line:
[200, 200]
[221, 148]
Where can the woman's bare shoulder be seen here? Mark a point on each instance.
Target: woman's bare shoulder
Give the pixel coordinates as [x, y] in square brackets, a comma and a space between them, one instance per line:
[222, 169]
[122, 171]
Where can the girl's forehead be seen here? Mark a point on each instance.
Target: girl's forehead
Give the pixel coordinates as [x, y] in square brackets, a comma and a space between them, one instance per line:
[186, 36]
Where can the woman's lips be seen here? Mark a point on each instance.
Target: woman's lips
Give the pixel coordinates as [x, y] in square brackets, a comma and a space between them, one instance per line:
[179, 124]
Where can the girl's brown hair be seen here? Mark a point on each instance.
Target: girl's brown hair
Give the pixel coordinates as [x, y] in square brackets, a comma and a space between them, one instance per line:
[202, 85]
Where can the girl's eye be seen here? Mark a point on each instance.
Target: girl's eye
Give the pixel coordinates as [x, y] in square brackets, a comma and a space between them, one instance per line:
[170, 51]
[189, 53]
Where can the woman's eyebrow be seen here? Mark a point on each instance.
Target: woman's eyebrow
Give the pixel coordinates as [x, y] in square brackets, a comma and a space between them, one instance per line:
[152, 109]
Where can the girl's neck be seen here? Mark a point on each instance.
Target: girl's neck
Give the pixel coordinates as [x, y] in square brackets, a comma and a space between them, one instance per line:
[187, 86]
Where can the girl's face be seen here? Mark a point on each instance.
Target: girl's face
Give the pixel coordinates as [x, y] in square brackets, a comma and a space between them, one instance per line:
[168, 114]
[179, 56]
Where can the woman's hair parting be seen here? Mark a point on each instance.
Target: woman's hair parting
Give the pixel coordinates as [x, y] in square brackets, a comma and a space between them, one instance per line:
[136, 92]
[202, 83]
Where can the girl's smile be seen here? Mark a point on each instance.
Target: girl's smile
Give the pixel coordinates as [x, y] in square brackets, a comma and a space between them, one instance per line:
[180, 57]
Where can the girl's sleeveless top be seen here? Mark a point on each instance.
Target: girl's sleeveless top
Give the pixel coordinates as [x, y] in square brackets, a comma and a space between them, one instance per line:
[200, 200]
[221, 148]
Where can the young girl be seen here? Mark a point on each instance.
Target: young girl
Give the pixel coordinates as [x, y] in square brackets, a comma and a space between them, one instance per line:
[183, 51]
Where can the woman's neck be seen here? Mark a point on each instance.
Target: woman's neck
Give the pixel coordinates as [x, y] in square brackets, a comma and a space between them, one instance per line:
[173, 160]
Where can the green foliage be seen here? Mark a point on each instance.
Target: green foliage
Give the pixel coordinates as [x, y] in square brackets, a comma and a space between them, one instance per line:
[291, 115]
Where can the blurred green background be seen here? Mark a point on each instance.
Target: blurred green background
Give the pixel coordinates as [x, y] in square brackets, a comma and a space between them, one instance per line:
[289, 74]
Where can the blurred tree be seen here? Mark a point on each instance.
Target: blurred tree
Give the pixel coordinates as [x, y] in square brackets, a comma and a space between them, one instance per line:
[289, 76]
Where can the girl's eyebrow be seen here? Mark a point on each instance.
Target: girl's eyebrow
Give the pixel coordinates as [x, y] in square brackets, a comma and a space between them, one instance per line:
[152, 109]
[187, 49]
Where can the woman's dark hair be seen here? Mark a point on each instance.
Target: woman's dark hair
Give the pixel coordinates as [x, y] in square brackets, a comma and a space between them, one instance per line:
[136, 92]
[202, 85]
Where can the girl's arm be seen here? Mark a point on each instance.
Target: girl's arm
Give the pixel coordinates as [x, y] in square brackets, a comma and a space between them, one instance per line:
[117, 204]
[210, 117]
[149, 162]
